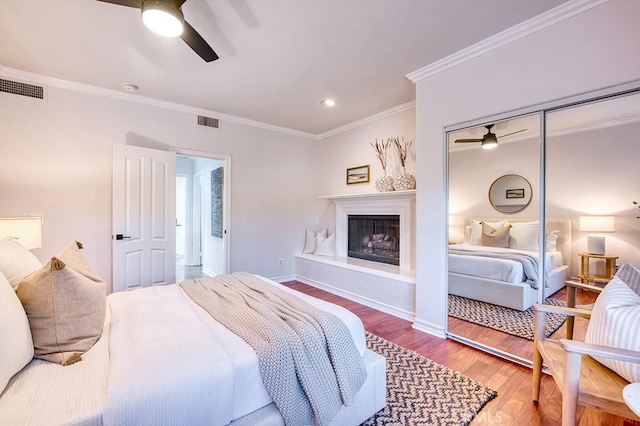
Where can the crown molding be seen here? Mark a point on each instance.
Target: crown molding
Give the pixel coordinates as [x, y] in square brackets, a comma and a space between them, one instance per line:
[517, 32]
[370, 119]
[33, 78]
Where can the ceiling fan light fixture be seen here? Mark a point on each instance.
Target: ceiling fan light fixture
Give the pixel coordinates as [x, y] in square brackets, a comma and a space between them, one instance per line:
[489, 144]
[162, 17]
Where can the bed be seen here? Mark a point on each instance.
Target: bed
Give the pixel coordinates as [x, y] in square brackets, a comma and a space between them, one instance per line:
[498, 275]
[162, 359]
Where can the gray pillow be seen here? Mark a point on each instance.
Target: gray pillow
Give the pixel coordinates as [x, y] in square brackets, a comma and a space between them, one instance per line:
[65, 301]
[492, 237]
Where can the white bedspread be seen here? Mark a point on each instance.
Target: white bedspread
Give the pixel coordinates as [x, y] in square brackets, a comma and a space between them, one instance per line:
[165, 351]
[45, 393]
[494, 268]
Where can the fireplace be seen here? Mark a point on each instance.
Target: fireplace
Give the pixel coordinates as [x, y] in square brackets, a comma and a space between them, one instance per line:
[374, 237]
[399, 204]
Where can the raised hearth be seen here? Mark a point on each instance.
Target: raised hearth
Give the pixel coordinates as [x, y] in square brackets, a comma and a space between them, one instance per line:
[388, 288]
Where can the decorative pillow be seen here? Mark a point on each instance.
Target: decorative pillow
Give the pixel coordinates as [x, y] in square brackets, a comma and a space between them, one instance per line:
[524, 236]
[467, 234]
[16, 345]
[615, 322]
[630, 275]
[552, 240]
[310, 240]
[492, 237]
[476, 230]
[65, 301]
[16, 261]
[326, 246]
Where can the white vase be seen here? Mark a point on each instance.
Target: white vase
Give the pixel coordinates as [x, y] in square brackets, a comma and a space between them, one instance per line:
[404, 182]
[384, 184]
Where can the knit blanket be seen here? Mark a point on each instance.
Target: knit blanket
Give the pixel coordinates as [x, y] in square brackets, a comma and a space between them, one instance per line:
[529, 263]
[308, 361]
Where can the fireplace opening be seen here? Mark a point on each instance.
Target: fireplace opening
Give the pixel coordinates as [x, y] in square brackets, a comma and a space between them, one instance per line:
[374, 237]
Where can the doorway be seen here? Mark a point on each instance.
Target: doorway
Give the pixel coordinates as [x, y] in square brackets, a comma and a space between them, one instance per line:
[200, 219]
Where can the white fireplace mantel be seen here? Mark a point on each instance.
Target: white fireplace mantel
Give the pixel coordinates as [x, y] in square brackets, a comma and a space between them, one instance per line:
[401, 203]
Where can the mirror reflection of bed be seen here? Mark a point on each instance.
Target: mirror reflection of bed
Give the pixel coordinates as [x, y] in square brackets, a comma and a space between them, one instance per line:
[589, 149]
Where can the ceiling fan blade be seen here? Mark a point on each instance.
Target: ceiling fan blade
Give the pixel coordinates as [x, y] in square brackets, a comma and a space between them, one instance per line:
[467, 140]
[197, 43]
[128, 3]
[179, 2]
[512, 133]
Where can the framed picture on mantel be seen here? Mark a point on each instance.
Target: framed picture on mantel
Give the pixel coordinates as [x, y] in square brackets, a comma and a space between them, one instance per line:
[358, 174]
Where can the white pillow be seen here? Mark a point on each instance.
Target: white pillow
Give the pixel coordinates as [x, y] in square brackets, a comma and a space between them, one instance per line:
[16, 345]
[310, 240]
[615, 322]
[524, 236]
[475, 237]
[16, 261]
[552, 240]
[467, 234]
[325, 246]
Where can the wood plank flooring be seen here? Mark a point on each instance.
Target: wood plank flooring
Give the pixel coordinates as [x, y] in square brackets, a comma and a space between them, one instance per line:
[515, 345]
[512, 406]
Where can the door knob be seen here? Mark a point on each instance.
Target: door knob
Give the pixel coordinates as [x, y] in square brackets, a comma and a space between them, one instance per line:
[121, 237]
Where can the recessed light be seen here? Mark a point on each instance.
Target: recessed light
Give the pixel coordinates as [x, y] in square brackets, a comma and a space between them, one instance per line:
[328, 102]
[129, 87]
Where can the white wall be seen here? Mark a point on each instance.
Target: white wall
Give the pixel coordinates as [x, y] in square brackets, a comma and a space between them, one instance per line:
[56, 159]
[351, 149]
[593, 50]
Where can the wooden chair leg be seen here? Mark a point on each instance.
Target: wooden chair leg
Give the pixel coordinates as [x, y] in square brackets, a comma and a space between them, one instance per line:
[570, 385]
[540, 319]
[537, 372]
[571, 303]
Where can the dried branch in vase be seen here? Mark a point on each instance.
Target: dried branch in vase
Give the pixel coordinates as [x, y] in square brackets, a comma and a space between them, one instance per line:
[402, 148]
[381, 152]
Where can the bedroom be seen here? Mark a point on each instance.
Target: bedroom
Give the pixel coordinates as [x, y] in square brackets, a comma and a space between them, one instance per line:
[77, 128]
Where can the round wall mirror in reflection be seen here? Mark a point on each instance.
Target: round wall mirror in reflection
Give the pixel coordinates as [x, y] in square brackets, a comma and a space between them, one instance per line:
[510, 194]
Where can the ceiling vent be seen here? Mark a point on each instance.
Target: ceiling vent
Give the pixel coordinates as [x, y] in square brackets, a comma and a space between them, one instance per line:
[21, 89]
[208, 121]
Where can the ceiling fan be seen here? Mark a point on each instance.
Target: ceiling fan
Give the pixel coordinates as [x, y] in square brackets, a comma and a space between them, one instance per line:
[165, 18]
[489, 140]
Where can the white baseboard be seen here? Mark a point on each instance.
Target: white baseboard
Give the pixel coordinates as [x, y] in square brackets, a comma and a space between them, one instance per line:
[391, 310]
[429, 329]
[283, 279]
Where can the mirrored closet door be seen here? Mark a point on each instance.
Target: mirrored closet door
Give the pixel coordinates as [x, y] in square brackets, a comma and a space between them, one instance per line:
[494, 216]
[498, 227]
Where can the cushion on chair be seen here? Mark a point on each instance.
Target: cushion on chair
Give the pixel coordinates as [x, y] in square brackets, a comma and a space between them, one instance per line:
[65, 301]
[615, 322]
[630, 275]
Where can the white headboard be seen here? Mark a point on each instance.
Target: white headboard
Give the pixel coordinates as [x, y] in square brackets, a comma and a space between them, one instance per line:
[563, 244]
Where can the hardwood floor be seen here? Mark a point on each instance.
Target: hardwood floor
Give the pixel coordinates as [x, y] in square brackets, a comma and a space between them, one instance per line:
[512, 406]
[515, 345]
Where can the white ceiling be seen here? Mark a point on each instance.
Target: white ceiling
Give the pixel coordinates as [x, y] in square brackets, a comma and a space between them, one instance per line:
[278, 58]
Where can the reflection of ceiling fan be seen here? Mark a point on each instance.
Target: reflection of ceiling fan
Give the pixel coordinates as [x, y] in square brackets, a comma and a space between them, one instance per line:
[165, 18]
[489, 140]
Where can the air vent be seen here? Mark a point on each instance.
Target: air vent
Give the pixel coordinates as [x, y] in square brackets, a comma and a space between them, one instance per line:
[21, 89]
[208, 121]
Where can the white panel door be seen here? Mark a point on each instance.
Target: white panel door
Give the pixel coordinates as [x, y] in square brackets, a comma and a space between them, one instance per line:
[144, 218]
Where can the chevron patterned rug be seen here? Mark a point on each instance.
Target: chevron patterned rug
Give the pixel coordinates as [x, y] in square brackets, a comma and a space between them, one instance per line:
[510, 321]
[421, 392]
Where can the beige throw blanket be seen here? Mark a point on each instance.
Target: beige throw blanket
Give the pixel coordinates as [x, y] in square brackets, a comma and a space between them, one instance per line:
[308, 361]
